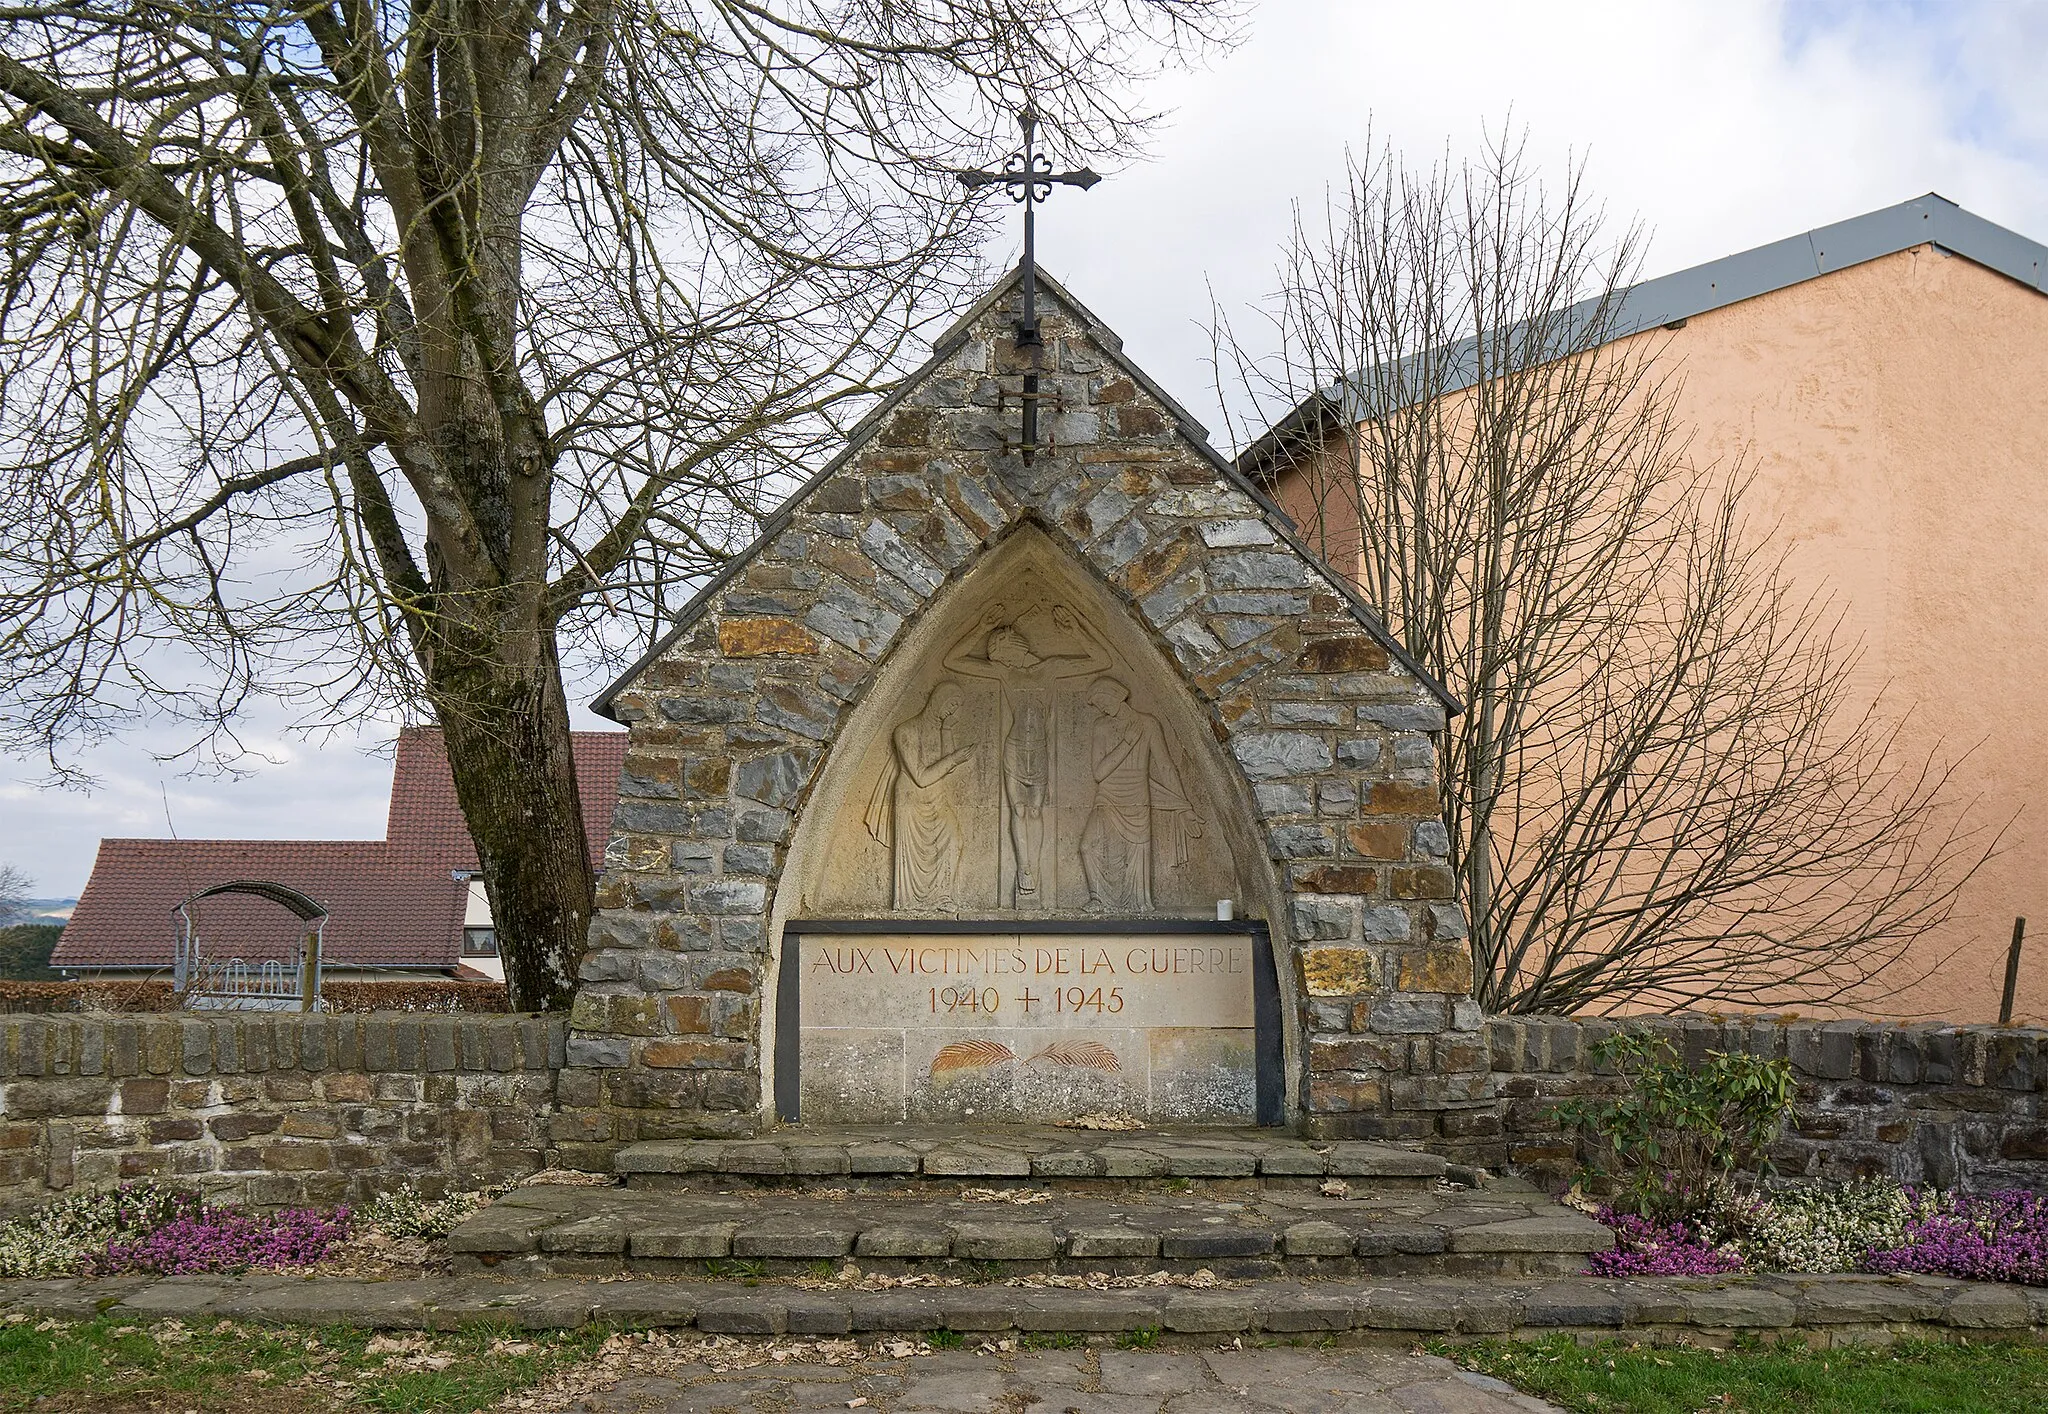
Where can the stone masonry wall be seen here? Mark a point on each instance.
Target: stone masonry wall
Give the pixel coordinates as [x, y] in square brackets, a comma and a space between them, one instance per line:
[275, 1109]
[1950, 1106]
[732, 722]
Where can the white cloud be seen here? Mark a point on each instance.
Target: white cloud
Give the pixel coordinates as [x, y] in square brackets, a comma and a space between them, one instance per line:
[1723, 126]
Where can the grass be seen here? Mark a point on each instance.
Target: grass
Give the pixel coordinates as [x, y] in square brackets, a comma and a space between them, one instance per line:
[1908, 1378]
[1052, 1340]
[1143, 1338]
[112, 1363]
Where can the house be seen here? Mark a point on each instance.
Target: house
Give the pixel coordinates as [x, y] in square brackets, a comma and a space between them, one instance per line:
[1886, 380]
[411, 904]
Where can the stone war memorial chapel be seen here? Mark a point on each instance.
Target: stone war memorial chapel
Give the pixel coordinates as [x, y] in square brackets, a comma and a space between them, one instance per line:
[1028, 768]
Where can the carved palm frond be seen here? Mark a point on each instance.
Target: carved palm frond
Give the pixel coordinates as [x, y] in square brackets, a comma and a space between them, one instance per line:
[1091, 1055]
[970, 1055]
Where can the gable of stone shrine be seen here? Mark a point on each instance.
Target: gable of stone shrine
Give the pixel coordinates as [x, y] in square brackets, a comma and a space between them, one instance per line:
[990, 787]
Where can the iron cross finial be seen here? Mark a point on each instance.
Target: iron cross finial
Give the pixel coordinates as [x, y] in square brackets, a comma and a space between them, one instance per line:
[1028, 176]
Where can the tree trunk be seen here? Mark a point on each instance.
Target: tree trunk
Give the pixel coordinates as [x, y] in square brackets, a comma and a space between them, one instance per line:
[506, 726]
[515, 773]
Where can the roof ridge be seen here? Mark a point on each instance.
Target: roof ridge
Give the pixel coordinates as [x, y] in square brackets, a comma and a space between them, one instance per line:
[1664, 300]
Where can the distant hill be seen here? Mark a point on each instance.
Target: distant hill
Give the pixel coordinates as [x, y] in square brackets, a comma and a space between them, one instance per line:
[25, 952]
[49, 910]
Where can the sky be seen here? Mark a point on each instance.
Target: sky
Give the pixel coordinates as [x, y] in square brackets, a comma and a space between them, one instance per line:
[1720, 125]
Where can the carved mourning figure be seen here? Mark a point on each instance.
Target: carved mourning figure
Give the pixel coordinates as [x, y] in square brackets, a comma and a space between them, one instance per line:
[1027, 681]
[1134, 777]
[912, 811]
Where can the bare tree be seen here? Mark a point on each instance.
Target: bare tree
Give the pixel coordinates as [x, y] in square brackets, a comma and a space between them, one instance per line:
[372, 356]
[1667, 786]
[14, 887]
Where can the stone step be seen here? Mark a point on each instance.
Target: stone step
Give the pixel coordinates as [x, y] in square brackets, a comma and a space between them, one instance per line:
[1043, 1153]
[980, 1233]
[1823, 1310]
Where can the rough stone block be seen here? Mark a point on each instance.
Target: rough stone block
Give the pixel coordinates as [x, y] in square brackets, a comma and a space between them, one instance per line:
[1406, 1013]
[1106, 1242]
[904, 1240]
[1001, 1241]
[1317, 1239]
[743, 1315]
[794, 1237]
[689, 1240]
[598, 1235]
[1737, 1308]
[1207, 1242]
[1269, 755]
[1210, 1313]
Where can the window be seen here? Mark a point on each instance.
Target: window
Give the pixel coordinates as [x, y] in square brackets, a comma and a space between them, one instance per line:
[479, 942]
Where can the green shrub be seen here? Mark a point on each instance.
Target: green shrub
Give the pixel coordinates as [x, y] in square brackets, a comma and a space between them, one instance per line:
[1672, 1142]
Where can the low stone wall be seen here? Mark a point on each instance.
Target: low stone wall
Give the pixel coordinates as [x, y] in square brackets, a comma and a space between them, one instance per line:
[1950, 1106]
[271, 1110]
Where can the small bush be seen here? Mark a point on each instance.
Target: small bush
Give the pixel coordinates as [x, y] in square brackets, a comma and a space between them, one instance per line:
[147, 1227]
[1672, 1142]
[1873, 1225]
[1979, 1237]
[213, 1240]
[1825, 1229]
[1643, 1248]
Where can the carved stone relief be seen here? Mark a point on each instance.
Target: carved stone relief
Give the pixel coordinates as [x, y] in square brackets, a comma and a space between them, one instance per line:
[1031, 758]
[913, 813]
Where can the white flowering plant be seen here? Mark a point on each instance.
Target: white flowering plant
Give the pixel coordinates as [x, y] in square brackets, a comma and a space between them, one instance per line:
[56, 1238]
[1826, 1229]
[405, 1212]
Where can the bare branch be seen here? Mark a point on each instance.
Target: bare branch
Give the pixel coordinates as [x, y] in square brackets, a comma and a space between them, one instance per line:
[1667, 787]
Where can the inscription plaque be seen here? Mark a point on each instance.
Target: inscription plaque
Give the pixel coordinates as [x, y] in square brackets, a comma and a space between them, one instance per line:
[1026, 1026]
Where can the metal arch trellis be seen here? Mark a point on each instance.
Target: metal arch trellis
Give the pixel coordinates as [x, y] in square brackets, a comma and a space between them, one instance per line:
[204, 983]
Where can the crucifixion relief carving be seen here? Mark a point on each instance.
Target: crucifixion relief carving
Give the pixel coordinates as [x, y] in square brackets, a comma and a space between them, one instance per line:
[1026, 682]
[1032, 758]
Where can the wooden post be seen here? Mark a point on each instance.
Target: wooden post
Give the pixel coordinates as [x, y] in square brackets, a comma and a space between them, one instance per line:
[309, 969]
[2012, 971]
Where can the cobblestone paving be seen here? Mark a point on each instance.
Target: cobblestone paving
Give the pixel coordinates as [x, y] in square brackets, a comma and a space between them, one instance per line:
[1082, 1382]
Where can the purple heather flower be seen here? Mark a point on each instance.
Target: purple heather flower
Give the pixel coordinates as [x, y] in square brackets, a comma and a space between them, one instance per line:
[202, 1239]
[1648, 1249]
[1979, 1236]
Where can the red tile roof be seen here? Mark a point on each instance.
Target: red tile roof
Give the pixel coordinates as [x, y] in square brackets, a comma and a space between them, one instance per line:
[391, 902]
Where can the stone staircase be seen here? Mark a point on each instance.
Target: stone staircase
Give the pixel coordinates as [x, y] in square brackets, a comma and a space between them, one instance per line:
[997, 1203]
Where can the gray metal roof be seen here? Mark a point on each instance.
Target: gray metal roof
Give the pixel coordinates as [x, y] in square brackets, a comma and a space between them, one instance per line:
[1111, 343]
[1650, 304]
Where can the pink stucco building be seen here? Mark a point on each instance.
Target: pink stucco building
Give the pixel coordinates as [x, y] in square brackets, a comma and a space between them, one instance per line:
[1886, 378]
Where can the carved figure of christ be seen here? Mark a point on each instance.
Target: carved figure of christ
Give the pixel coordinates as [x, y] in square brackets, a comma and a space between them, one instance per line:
[1026, 682]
